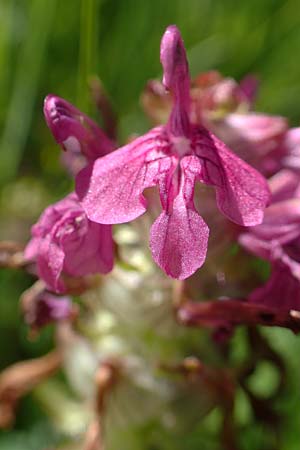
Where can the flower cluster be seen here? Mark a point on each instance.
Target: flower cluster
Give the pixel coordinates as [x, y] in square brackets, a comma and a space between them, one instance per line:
[66, 243]
[209, 131]
[209, 154]
[173, 157]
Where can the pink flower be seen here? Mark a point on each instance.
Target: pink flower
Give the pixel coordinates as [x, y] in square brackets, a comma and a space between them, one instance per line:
[66, 243]
[46, 308]
[281, 291]
[76, 133]
[277, 240]
[249, 85]
[173, 157]
[257, 138]
[292, 149]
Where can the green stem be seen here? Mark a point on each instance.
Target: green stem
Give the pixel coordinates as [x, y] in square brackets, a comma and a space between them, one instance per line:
[26, 77]
[87, 50]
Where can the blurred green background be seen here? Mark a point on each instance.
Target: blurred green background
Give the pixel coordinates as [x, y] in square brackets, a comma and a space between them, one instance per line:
[53, 46]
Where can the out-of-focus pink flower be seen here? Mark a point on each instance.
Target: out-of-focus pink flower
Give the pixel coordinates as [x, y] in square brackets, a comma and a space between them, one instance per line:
[65, 242]
[277, 240]
[284, 185]
[280, 227]
[212, 97]
[257, 138]
[281, 291]
[47, 308]
[76, 133]
[249, 85]
[291, 146]
[173, 157]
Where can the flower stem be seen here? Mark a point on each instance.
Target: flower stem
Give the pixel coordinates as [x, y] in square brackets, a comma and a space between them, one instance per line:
[87, 50]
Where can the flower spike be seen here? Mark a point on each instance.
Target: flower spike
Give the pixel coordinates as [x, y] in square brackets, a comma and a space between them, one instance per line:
[173, 157]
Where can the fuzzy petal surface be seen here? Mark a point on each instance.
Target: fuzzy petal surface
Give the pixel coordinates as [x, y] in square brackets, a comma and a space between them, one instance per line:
[242, 193]
[179, 236]
[111, 189]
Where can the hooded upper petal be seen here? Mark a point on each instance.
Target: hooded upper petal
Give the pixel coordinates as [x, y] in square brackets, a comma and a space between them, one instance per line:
[176, 79]
[74, 131]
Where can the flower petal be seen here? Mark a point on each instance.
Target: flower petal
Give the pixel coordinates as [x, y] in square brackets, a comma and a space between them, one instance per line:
[65, 242]
[93, 253]
[281, 291]
[292, 149]
[256, 138]
[75, 131]
[178, 241]
[179, 237]
[176, 79]
[255, 245]
[111, 188]
[45, 308]
[242, 193]
[50, 262]
[284, 185]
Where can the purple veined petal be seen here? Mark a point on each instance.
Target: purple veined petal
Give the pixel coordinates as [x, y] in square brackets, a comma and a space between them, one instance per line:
[179, 236]
[74, 131]
[242, 192]
[111, 189]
